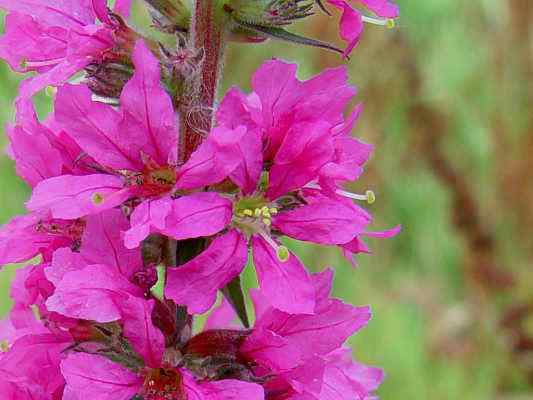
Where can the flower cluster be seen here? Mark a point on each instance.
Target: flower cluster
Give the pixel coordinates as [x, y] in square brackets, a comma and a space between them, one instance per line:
[115, 213]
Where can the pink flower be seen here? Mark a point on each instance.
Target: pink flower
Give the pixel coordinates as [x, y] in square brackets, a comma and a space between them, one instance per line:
[295, 154]
[294, 356]
[352, 20]
[57, 41]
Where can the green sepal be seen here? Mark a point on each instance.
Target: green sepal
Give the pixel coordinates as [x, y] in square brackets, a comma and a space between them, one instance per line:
[282, 34]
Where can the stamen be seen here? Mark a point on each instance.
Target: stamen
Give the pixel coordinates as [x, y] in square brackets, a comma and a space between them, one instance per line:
[98, 198]
[369, 195]
[44, 63]
[282, 252]
[388, 22]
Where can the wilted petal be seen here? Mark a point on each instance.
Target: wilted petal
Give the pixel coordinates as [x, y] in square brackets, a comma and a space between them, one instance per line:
[71, 197]
[97, 378]
[286, 284]
[149, 122]
[196, 283]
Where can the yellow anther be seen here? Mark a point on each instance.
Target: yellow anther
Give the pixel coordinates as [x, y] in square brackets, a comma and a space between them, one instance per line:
[391, 23]
[273, 211]
[240, 214]
[248, 212]
[257, 212]
[267, 214]
[283, 253]
[50, 91]
[267, 222]
[264, 208]
[98, 198]
[4, 346]
[370, 197]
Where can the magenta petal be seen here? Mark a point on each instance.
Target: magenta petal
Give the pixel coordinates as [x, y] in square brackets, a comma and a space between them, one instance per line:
[63, 261]
[385, 234]
[221, 317]
[197, 215]
[70, 197]
[35, 157]
[232, 389]
[58, 75]
[304, 151]
[103, 243]
[286, 284]
[382, 8]
[27, 40]
[149, 122]
[196, 283]
[95, 127]
[97, 378]
[246, 175]
[351, 24]
[63, 13]
[326, 222]
[149, 216]
[123, 7]
[146, 339]
[214, 160]
[94, 293]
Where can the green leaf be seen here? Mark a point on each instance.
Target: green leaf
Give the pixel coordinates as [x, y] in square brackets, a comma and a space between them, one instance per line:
[235, 295]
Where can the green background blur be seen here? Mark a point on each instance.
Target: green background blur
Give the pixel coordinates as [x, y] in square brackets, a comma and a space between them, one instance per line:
[448, 104]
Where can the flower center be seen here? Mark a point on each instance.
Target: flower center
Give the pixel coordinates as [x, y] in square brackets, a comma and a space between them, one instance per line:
[163, 384]
[253, 216]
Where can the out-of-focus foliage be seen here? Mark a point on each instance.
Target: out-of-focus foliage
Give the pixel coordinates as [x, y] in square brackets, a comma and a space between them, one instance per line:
[448, 99]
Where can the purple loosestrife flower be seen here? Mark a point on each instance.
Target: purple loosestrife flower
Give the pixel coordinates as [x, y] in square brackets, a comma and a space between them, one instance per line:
[293, 356]
[352, 20]
[294, 155]
[57, 39]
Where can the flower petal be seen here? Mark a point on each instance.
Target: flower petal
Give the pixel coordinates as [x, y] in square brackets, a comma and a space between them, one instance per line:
[97, 378]
[148, 121]
[196, 283]
[70, 197]
[287, 284]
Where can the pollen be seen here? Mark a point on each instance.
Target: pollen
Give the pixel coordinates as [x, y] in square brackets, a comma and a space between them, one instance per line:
[4, 346]
[391, 23]
[370, 197]
[98, 198]
[283, 253]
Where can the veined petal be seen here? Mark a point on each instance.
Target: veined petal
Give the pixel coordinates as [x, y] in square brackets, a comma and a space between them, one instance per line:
[351, 24]
[148, 217]
[196, 283]
[95, 127]
[98, 378]
[71, 197]
[146, 339]
[214, 160]
[148, 121]
[94, 293]
[286, 284]
[326, 222]
[197, 215]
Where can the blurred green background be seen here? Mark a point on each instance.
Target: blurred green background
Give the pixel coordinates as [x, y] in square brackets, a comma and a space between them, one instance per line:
[448, 104]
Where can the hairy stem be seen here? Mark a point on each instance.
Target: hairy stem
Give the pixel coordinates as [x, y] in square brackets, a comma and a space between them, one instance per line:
[208, 29]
